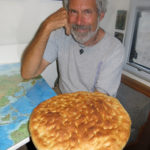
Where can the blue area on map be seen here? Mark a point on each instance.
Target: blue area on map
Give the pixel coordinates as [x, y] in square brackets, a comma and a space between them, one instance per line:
[19, 105]
[24, 106]
[17, 94]
[43, 92]
[26, 85]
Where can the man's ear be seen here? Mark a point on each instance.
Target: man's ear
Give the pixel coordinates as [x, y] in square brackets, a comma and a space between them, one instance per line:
[102, 14]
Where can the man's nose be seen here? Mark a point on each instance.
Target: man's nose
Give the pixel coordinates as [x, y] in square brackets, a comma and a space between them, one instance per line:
[79, 19]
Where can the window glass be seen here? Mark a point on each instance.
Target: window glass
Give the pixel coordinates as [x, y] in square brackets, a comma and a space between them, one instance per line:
[140, 49]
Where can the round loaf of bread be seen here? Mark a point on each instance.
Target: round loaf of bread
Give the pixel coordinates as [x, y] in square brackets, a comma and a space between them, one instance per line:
[80, 121]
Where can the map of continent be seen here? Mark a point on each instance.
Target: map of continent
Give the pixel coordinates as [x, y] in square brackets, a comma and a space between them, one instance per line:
[18, 98]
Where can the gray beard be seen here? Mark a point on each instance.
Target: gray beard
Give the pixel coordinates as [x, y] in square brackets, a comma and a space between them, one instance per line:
[83, 37]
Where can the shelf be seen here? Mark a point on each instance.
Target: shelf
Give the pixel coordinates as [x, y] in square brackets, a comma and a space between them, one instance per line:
[135, 84]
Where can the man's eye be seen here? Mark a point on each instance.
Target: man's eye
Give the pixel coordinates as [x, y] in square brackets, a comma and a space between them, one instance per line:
[72, 12]
[87, 12]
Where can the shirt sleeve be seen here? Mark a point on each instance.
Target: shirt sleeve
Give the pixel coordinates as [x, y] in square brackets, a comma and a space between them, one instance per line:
[51, 49]
[109, 76]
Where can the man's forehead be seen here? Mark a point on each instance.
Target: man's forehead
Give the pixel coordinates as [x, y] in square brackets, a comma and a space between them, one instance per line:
[82, 4]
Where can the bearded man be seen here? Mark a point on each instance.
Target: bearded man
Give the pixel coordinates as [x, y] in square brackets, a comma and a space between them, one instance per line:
[89, 59]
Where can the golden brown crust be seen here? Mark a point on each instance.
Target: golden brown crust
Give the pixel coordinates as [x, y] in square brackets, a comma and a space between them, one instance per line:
[80, 121]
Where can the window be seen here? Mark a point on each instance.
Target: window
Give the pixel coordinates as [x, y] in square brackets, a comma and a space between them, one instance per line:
[140, 49]
[137, 39]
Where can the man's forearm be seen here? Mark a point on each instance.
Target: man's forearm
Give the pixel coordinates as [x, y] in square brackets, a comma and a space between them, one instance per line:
[33, 54]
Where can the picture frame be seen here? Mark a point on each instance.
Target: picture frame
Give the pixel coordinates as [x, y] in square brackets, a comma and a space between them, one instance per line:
[121, 19]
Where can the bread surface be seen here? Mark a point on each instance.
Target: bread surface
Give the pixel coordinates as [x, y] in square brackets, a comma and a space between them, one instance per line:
[80, 121]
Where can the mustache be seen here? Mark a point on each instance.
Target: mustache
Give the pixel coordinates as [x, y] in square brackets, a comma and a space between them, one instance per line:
[82, 27]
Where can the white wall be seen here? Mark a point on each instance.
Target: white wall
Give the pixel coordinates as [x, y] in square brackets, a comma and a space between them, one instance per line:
[20, 19]
[109, 20]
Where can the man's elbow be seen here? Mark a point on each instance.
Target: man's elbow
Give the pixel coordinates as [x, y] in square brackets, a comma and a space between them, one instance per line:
[25, 75]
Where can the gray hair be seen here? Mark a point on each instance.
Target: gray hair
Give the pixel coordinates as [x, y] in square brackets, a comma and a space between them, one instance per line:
[101, 5]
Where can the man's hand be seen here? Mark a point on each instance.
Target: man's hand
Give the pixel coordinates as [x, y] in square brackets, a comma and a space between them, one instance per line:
[57, 20]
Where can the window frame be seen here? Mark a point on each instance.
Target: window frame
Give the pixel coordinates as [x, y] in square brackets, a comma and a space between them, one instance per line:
[130, 39]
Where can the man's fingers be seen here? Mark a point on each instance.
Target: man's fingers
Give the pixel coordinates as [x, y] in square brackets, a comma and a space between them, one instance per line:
[59, 19]
[67, 27]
